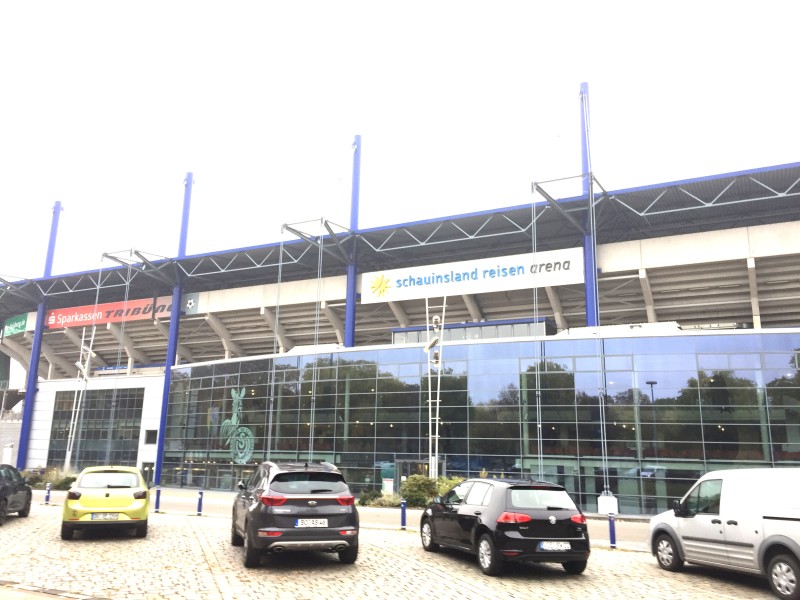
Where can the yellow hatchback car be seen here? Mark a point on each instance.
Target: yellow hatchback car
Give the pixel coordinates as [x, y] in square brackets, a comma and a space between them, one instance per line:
[107, 496]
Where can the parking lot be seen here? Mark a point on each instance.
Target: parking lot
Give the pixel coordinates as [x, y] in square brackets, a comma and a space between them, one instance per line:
[190, 556]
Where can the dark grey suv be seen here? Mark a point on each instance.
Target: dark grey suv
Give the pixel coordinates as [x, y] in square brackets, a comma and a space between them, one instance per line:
[295, 506]
[15, 493]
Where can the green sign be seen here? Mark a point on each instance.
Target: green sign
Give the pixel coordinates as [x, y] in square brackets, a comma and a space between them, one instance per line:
[15, 325]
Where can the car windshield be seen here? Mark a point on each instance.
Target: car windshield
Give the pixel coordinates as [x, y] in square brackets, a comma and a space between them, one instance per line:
[308, 483]
[530, 497]
[103, 479]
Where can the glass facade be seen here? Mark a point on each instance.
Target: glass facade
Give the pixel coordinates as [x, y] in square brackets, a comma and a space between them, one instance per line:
[640, 416]
[107, 427]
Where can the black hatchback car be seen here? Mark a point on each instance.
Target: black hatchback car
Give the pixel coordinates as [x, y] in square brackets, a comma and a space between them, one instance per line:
[15, 493]
[504, 520]
[295, 506]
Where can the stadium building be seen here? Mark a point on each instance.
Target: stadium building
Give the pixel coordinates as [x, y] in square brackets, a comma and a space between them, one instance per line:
[616, 342]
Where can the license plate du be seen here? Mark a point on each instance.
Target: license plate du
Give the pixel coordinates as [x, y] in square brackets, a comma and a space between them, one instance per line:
[105, 516]
[555, 546]
[311, 523]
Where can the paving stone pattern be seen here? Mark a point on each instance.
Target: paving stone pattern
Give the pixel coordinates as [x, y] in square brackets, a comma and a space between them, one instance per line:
[191, 557]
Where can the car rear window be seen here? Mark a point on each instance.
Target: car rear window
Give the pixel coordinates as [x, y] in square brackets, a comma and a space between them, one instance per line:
[308, 483]
[105, 479]
[546, 498]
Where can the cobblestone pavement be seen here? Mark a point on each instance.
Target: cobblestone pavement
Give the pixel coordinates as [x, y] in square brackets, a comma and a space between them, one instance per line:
[191, 557]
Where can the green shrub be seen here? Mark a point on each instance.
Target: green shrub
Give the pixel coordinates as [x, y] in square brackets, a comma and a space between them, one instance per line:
[387, 501]
[418, 490]
[445, 484]
[366, 498]
[35, 478]
[64, 483]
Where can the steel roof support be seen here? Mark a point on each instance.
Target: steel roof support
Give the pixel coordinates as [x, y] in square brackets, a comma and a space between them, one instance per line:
[54, 359]
[335, 321]
[649, 303]
[399, 313]
[352, 259]
[8, 348]
[127, 343]
[183, 351]
[475, 311]
[753, 282]
[174, 330]
[231, 347]
[285, 342]
[73, 337]
[555, 304]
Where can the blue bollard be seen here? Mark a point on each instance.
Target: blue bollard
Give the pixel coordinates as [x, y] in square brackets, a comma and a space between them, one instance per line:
[402, 513]
[199, 502]
[612, 533]
[47, 494]
[158, 498]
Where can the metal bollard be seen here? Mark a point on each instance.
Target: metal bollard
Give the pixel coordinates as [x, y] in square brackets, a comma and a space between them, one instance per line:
[158, 498]
[612, 532]
[402, 513]
[47, 494]
[199, 502]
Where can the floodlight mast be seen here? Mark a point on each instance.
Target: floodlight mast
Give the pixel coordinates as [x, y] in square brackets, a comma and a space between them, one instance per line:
[435, 326]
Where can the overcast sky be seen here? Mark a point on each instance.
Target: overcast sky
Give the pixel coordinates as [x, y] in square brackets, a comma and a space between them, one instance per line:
[105, 106]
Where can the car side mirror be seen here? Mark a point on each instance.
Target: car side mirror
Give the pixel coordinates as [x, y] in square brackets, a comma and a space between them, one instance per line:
[438, 500]
[677, 508]
[151, 484]
[240, 485]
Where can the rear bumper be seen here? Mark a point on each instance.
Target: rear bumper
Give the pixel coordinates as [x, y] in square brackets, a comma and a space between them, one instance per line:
[317, 545]
[528, 550]
[322, 540]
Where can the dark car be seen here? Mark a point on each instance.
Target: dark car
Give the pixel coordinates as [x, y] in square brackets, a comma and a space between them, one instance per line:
[295, 506]
[508, 520]
[15, 493]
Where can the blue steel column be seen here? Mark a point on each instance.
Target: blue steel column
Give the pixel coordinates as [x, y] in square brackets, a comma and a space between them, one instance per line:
[589, 242]
[174, 328]
[36, 349]
[352, 265]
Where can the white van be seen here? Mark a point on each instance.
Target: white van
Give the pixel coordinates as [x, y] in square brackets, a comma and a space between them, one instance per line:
[742, 519]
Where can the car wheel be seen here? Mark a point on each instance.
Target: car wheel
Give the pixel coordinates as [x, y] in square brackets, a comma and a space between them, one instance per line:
[426, 534]
[574, 567]
[488, 558]
[66, 532]
[349, 555]
[26, 510]
[236, 539]
[141, 529]
[252, 555]
[783, 571]
[667, 553]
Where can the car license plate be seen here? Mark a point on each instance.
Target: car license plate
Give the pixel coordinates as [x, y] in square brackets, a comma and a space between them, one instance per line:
[311, 523]
[105, 516]
[554, 546]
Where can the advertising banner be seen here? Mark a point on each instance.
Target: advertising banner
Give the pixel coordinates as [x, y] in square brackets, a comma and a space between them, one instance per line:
[111, 312]
[520, 271]
[15, 325]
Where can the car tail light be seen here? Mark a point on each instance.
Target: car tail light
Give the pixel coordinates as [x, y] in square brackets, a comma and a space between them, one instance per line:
[73, 495]
[512, 517]
[579, 519]
[270, 533]
[273, 500]
[346, 500]
[140, 495]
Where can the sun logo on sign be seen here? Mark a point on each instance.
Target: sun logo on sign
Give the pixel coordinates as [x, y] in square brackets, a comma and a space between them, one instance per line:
[380, 286]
